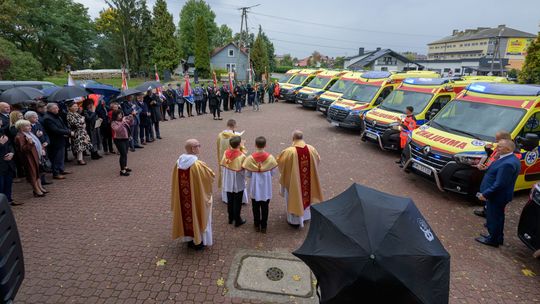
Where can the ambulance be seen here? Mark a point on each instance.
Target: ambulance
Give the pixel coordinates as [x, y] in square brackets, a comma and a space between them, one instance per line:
[309, 95]
[446, 149]
[365, 93]
[426, 95]
[336, 90]
[289, 90]
[288, 76]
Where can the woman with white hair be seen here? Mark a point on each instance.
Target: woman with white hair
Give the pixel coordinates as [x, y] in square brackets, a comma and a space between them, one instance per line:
[39, 131]
[30, 151]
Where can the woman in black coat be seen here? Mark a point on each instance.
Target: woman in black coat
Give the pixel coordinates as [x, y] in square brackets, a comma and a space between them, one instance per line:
[213, 98]
[7, 168]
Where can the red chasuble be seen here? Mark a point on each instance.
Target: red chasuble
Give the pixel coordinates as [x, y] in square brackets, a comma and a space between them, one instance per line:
[185, 201]
[305, 174]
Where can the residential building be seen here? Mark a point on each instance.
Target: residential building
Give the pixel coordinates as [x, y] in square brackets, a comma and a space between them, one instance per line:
[232, 59]
[380, 60]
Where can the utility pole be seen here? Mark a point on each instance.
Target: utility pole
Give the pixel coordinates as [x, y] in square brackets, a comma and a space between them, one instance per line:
[244, 36]
[126, 54]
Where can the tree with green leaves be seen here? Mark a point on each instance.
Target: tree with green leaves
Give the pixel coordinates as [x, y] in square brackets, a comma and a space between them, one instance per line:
[18, 65]
[109, 47]
[143, 38]
[259, 56]
[164, 51]
[339, 62]
[55, 32]
[186, 27]
[530, 72]
[202, 51]
[269, 50]
[224, 36]
[286, 60]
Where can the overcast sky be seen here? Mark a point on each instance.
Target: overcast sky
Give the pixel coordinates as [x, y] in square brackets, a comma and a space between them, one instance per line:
[298, 27]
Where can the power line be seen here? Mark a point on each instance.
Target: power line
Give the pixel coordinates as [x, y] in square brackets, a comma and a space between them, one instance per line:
[341, 27]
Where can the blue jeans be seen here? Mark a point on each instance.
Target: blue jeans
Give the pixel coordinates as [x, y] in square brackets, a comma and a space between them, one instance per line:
[238, 105]
[6, 184]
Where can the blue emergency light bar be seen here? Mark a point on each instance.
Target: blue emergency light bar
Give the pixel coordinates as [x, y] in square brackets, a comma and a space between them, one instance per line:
[376, 75]
[426, 81]
[504, 89]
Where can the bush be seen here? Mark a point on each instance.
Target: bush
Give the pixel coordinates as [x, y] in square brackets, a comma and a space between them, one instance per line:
[282, 69]
[18, 65]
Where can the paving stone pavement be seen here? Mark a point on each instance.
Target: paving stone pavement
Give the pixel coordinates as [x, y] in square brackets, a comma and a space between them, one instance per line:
[97, 236]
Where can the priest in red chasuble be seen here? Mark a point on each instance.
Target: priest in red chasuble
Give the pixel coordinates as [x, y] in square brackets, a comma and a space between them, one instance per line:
[298, 165]
[191, 198]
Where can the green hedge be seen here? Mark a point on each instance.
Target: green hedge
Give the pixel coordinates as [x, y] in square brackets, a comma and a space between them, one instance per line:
[282, 69]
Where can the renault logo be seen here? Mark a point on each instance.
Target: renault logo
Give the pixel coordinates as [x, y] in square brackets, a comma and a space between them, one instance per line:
[374, 122]
[426, 150]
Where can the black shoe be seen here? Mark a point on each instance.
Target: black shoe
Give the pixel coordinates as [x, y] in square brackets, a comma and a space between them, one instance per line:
[159, 137]
[257, 228]
[238, 224]
[124, 173]
[263, 230]
[46, 183]
[132, 149]
[398, 161]
[487, 241]
[485, 235]
[38, 195]
[128, 169]
[231, 221]
[481, 213]
[139, 147]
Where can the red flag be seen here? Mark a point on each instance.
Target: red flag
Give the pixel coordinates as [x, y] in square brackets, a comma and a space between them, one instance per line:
[124, 79]
[158, 90]
[231, 88]
[215, 78]
[188, 93]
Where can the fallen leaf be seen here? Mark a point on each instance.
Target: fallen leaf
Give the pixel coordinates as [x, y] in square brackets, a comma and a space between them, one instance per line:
[220, 282]
[528, 272]
[296, 277]
[161, 262]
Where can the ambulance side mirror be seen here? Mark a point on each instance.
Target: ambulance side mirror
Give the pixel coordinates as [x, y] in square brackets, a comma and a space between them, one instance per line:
[529, 142]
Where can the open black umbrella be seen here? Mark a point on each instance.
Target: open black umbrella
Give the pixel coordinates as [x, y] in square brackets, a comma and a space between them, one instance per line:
[68, 93]
[366, 246]
[128, 92]
[149, 85]
[20, 95]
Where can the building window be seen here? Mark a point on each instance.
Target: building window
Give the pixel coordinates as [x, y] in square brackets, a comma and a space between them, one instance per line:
[231, 67]
[457, 71]
[231, 52]
[384, 69]
[461, 45]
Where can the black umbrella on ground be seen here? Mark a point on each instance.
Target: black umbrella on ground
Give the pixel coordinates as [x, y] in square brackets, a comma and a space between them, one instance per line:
[128, 92]
[149, 85]
[366, 246]
[68, 93]
[19, 95]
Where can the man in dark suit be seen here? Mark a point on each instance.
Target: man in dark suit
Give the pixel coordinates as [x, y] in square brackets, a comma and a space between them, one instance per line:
[58, 132]
[497, 190]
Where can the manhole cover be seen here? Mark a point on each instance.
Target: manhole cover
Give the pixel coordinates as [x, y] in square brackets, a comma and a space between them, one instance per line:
[274, 274]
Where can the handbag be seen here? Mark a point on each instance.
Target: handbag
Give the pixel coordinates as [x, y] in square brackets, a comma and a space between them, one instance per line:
[45, 164]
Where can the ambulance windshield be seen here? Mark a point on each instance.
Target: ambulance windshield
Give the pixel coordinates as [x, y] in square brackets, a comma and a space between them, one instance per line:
[284, 78]
[399, 100]
[341, 85]
[318, 82]
[477, 120]
[361, 92]
[298, 79]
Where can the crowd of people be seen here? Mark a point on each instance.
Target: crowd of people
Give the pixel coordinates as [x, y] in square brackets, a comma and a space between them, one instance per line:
[38, 140]
[192, 194]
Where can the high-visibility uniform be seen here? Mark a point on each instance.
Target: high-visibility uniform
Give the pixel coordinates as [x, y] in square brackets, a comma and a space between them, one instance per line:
[495, 155]
[407, 126]
[276, 90]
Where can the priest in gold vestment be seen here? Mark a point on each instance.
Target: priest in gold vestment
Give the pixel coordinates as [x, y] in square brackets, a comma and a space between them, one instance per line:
[298, 166]
[191, 198]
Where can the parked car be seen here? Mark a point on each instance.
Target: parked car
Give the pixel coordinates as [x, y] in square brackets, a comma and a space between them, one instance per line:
[40, 85]
[529, 221]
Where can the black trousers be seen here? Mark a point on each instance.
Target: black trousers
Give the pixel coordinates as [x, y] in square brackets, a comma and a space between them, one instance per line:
[225, 102]
[122, 146]
[231, 102]
[260, 212]
[234, 206]
[198, 106]
[180, 109]
[189, 109]
[170, 110]
[203, 105]
[106, 138]
[215, 111]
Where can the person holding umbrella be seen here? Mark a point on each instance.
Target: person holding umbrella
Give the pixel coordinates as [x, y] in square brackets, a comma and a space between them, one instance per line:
[145, 122]
[81, 140]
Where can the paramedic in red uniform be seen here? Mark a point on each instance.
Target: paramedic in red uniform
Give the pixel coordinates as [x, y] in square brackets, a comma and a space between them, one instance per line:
[408, 124]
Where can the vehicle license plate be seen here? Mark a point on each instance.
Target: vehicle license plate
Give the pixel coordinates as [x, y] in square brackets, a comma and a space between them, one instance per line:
[335, 124]
[371, 135]
[422, 169]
